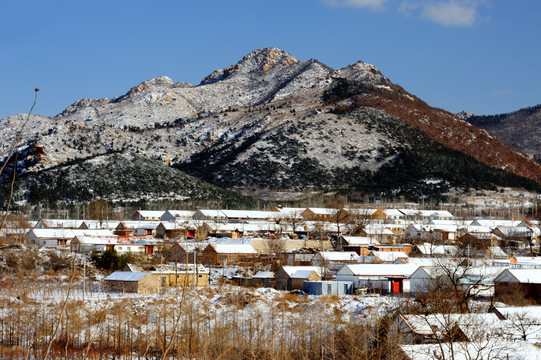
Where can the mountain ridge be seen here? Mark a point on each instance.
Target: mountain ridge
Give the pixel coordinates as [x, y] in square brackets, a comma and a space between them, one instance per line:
[276, 116]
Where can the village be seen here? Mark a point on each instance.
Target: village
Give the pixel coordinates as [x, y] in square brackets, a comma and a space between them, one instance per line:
[446, 280]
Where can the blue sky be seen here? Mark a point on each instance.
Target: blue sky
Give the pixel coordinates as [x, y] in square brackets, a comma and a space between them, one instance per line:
[479, 55]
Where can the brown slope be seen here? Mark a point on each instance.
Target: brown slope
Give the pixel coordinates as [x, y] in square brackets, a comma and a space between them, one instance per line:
[450, 131]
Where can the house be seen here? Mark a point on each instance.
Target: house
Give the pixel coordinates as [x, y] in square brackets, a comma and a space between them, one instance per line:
[426, 215]
[177, 215]
[440, 328]
[136, 228]
[134, 282]
[58, 223]
[147, 215]
[86, 244]
[404, 247]
[176, 229]
[379, 233]
[433, 250]
[514, 235]
[514, 283]
[300, 257]
[525, 321]
[60, 236]
[289, 213]
[477, 281]
[291, 277]
[325, 214]
[479, 240]
[389, 216]
[261, 279]
[360, 244]
[491, 252]
[431, 233]
[228, 254]
[182, 252]
[179, 275]
[383, 278]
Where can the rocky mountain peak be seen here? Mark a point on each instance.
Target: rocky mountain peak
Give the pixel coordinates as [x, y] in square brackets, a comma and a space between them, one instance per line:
[464, 115]
[260, 60]
[364, 72]
[159, 82]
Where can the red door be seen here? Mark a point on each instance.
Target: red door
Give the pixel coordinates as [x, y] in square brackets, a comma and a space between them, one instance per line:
[396, 286]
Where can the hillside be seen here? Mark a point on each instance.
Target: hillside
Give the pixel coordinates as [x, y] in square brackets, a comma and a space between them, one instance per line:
[268, 124]
[520, 129]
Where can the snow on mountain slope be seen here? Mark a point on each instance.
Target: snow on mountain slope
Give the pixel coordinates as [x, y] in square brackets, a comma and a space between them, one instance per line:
[270, 121]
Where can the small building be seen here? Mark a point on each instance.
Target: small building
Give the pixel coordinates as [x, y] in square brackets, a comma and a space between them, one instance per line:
[292, 277]
[261, 279]
[360, 244]
[177, 215]
[147, 215]
[512, 283]
[227, 254]
[383, 278]
[133, 282]
[181, 275]
[327, 287]
[433, 250]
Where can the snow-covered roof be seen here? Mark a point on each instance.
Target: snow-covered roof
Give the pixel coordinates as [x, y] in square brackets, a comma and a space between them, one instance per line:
[497, 251]
[248, 214]
[302, 274]
[524, 276]
[95, 240]
[134, 224]
[496, 348]
[491, 223]
[60, 233]
[181, 214]
[389, 256]
[435, 324]
[337, 255]
[322, 211]
[359, 240]
[180, 268]
[378, 269]
[60, 223]
[431, 249]
[290, 270]
[151, 213]
[126, 276]
[238, 214]
[421, 262]
[234, 248]
[264, 275]
[393, 212]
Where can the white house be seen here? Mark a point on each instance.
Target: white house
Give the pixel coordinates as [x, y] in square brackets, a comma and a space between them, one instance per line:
[386, 278]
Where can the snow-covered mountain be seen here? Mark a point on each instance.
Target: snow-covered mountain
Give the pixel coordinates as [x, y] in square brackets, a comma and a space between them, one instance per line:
[269, 123]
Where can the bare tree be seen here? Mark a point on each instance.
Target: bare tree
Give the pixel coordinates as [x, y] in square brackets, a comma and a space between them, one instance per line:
[358, 220]
[100, 210]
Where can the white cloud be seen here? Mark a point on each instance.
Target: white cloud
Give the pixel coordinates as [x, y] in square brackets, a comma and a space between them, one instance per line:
[444, 12]
[375, 4]
[451, 13]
